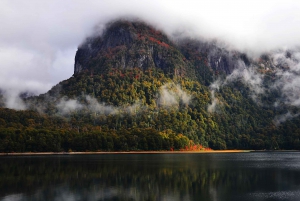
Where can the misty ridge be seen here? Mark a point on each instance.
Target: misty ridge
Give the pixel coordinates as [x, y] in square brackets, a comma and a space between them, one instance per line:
[132, 76]
[277, 70]
[53, 48]
[170, 95]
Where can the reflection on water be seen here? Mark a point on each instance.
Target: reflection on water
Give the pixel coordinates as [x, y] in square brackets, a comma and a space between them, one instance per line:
[269, 176]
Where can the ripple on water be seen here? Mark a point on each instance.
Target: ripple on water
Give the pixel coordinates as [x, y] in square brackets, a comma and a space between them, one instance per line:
[14, 197]
[275, 196]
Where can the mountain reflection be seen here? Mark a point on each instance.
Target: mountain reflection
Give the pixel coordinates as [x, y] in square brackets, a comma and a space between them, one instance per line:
[138, 177]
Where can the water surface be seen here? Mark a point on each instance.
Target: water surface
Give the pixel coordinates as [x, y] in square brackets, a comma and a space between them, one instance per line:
[262, 176]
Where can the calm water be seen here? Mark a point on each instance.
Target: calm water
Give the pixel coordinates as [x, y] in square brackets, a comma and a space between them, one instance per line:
[269, 176]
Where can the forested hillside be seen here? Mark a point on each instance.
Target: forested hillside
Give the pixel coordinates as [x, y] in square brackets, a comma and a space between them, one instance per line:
[133, 88]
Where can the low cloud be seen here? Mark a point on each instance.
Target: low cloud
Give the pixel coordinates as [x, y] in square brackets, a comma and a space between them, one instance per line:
[67, 106]
[212, 107]
[287, 80]
[171, 94]
[249, 75]
[284, 117]
[281, 67]
[215, 86]
[12, 100]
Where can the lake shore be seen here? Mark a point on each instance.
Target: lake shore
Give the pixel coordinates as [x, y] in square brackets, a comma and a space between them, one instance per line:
[122, 152]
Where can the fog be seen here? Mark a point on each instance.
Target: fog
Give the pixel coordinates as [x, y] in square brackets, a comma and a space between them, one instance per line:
[39, 39]
[283, 69]
[172, 95]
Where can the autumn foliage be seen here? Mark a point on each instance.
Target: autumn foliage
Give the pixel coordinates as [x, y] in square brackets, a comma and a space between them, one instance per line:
[195, 147]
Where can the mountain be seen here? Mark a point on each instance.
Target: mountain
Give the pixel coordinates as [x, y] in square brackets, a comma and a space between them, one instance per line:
[126, 45]
[134, 88]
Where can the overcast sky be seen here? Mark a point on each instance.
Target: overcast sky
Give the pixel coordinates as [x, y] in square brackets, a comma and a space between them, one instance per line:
[39, 39]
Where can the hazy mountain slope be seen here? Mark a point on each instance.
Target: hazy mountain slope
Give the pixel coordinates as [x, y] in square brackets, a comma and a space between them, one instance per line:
[127, 44]
[132, 82]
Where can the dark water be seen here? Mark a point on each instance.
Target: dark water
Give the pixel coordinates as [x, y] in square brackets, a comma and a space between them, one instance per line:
[270, 176]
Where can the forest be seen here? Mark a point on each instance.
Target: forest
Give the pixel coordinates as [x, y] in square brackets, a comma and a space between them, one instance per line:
[164, 102]
[138, 119]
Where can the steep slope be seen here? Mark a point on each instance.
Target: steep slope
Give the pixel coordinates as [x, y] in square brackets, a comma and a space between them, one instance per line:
[126, 45]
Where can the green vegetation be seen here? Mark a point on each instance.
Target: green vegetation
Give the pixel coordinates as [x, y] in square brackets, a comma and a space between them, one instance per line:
[237, 123]
[149, 125]
[139, 91]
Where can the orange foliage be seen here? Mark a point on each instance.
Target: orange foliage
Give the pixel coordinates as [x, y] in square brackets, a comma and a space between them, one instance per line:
[207, 149]
[197, 147]
[158, 42]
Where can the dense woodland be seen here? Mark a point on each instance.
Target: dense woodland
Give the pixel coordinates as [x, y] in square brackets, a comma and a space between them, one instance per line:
[238, 122]
[109, 108]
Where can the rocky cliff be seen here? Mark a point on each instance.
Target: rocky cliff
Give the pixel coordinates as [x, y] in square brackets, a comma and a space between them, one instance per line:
[127, 44]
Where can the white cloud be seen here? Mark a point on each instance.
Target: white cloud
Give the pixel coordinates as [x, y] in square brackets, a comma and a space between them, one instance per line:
[68, 106]
[172, 95]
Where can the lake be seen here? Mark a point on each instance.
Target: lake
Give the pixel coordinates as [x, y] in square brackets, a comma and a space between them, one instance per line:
[254, 176]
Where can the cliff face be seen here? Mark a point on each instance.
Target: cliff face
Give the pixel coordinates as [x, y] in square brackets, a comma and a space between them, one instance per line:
[128, 45]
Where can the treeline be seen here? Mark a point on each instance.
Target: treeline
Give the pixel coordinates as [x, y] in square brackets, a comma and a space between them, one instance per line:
[42, 140]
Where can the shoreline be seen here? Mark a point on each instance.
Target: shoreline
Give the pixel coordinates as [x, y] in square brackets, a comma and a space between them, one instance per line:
[120, 152]
[136, 152]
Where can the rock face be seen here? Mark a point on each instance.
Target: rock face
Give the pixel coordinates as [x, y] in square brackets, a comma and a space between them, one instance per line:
[222, 60]
[128, 45]
[218, 57]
